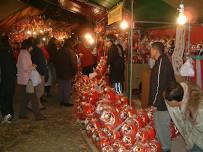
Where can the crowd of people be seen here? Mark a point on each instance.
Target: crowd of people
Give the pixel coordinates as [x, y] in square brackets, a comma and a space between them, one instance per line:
[36, 66]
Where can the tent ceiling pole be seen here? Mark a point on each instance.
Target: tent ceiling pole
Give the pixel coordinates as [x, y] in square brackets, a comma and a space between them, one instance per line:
[155, 22]
[91, 4]
[130, 38]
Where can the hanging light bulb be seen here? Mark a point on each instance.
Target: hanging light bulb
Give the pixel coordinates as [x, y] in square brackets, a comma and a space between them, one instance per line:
[88, 36]
[124, 25]
[41, 31]
[29, 32]
[91, 41]
[182, 19]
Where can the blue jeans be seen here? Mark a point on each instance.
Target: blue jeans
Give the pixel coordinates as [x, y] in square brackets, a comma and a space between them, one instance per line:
[118, 87]
[65, 90]
[195, 149]
[162, 125]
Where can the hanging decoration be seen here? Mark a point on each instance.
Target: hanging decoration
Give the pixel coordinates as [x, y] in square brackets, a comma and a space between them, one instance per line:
[177, 57]
[34, 26]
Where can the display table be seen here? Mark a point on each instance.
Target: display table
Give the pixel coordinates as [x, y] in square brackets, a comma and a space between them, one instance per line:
[137, 72]
[145, 88]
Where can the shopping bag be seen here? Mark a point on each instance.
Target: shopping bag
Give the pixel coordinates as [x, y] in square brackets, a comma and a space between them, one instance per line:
[36, 78]
[187, 68]
[29, 87]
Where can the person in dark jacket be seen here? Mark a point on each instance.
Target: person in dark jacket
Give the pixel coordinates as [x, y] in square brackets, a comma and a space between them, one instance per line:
[66, 68]
[7, 79]
[39, 60]
[116, 64]
[162, 73]
[52, 51]
[122, 55]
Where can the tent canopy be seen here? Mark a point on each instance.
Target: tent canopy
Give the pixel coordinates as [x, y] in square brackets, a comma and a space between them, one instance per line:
[8, 7]
[8, 22]
[84, 11]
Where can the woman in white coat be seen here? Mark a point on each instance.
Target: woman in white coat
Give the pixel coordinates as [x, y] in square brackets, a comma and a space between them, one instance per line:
[185, 106]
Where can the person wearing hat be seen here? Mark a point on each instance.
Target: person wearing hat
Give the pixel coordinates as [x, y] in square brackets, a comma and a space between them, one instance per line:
[115, 63]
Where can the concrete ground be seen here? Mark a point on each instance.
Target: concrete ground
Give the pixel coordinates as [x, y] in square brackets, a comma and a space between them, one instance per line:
[58, 133]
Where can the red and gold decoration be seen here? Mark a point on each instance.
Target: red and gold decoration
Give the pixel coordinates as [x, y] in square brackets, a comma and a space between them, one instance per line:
[33, 26]
[109, 121]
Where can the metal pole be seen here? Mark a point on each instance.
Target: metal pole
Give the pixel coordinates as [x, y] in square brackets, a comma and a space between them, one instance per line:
[155, 22]
[130, 39]
[189, 32]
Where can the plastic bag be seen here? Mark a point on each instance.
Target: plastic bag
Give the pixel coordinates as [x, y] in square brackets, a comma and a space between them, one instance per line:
[36, 78]
[187, 68]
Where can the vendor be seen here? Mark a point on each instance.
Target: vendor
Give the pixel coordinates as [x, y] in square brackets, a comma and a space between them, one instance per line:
[115, 63]
[88, 60]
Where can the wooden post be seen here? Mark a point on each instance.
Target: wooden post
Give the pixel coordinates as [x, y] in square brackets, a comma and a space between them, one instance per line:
[145, 88]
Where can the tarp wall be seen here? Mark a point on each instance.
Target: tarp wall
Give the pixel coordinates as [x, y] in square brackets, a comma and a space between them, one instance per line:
[196, 33]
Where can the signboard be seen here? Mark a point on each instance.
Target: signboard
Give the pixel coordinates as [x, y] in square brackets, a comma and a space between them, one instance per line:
[177, 57]
[116, 14]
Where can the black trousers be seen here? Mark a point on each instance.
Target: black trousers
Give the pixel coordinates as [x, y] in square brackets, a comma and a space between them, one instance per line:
[7, 93]
[47, 90]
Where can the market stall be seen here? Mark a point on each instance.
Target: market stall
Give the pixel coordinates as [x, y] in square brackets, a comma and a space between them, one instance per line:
[109, 122]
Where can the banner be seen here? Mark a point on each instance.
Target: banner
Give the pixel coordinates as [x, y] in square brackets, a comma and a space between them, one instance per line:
[116, 14]
[177, 57]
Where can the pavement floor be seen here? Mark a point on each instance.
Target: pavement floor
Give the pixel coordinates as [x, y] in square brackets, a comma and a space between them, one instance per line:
[58, 133]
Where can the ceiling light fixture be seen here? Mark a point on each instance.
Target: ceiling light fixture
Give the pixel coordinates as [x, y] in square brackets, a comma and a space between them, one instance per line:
[182, 19]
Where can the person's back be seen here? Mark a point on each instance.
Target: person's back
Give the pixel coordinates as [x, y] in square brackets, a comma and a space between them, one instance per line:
[64, 65]
[38, 59]
[8, 68]
[52, 50]
[116, 64]
[24, 67]
[8, 78]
